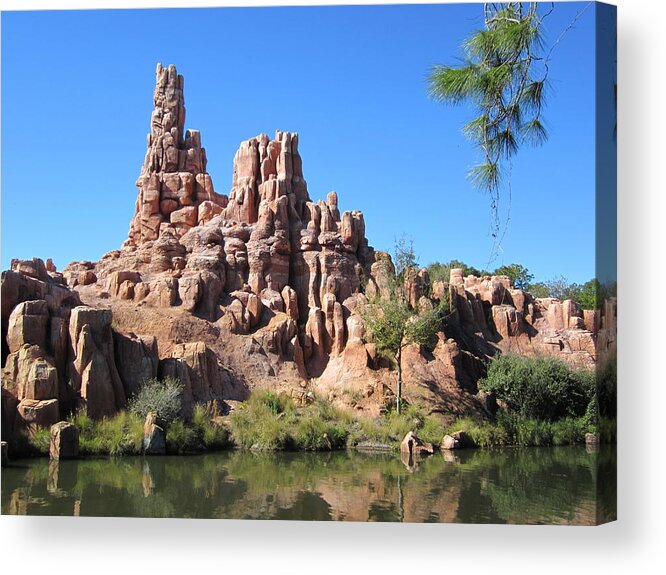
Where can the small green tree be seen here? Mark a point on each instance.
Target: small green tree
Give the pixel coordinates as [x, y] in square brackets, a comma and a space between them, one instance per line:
[393, 324]
[592, 295]
[539, 290]
[404, 256]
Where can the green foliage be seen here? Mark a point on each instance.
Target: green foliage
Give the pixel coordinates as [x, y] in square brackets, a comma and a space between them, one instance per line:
[163, 396]
[539, 290]
[268, 421]
[538, 388]
[393, 325]
[181, 438]
[484, 434]
[391, 428]
[212, 436]
[590, 295]
[607, 389]
[36, 442]
[503, 75]
[513, 429]
[519, 275]
[442, 272]
[121, 434]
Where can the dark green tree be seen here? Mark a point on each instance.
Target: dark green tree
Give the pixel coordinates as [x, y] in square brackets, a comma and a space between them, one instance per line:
[591, 295]
[440, 271]
[520, 275]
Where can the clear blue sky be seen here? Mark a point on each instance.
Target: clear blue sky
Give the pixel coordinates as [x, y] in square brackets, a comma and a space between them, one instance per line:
[77, 95]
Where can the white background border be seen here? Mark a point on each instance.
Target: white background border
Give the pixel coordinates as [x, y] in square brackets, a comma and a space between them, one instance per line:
[634, 544]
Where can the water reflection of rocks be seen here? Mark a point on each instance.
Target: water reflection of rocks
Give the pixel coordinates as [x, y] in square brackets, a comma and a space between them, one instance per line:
[554, 485]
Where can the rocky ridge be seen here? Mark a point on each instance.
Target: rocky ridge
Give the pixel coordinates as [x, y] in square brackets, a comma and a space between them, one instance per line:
[258, 288]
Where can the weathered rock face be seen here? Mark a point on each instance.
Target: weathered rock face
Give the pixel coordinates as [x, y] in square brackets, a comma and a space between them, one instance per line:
[266, 248]
[36, 304]
[261, 288]
[513, 321]
[136, 358]
[200, 371]
[173, 181]
[94, 373]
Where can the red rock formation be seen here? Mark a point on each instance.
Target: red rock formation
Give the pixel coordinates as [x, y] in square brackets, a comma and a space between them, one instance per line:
[173, 181]
[260, 288]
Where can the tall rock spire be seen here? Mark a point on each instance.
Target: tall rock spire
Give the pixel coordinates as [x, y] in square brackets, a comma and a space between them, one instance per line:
[165, 141]
[173, 183]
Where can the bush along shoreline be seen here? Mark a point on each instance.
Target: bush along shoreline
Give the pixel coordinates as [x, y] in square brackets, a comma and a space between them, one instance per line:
[541, 402]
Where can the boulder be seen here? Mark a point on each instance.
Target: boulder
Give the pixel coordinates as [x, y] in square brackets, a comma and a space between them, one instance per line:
[31, 374]
[154, 435]
[64, 441]
[38, 413]
[592, 439]
[449, 442]
[415, 446]
[28, 324]
[457, 440]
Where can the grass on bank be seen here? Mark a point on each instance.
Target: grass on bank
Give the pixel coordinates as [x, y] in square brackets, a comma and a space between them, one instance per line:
[544, 402]
[272, 421]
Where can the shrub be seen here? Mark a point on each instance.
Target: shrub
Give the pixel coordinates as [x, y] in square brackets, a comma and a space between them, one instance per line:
[211, 436]
[121, 434]
[257, 421]
[569, 431]
[182, 439]
[483, 433]
[392, 427]
[35, 442]
[442, 272]
[538, 388]
[163, 396]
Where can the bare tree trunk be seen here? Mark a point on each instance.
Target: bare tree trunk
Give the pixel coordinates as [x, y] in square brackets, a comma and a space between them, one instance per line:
[398, 394]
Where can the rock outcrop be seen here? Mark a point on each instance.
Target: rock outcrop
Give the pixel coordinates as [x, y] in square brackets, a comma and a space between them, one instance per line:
[64, 442]
[154, 435]
[263, 287]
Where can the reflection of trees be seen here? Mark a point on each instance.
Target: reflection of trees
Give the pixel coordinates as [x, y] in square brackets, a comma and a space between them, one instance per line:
[514, 485]
[541, 486]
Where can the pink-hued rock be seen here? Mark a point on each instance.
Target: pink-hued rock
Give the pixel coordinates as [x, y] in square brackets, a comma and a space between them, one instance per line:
[94, 373]
[64, 443]
[38, 413]
[30, 374]
[415, 446]
[28, 324]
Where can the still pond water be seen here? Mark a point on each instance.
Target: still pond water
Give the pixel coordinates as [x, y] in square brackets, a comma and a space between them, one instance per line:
[566, 485]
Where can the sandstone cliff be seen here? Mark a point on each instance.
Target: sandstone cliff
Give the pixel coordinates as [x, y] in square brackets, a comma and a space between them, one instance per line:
[258, 288]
